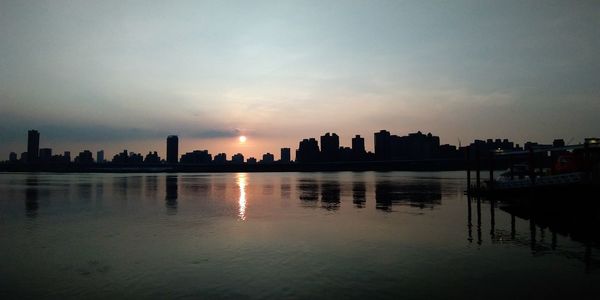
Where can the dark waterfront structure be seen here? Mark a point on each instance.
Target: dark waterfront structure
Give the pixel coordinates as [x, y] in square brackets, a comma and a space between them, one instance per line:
[285, 155]
[308, 151]
[33, 145]
[358, 148]
[12, 157]
[268, 158]
[152, 158]
[196, 157]
[45, 155]
[382, 145]
[414, 146]
[330, 147]
[237, 158]
[100, 156]
[220, 158]
[85, 157]
[172, 149]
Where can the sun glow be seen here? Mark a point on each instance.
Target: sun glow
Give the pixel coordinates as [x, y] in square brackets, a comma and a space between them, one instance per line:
[242, 139]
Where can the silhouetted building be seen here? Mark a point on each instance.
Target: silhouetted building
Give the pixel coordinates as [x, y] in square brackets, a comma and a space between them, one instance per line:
[24, 157]
[152, 158]
[490, 144]
[45, 154]
[414, 146]
[172, 149]
[449, 151]
[251, 160]
[346, 154]
[220, 158]
[330, 146]
[308, 151]
[558, 143]
[33, 145]
[268, 158]
[358, 148]
[286, 155]
[12, 157]
[237, 158]
[85, 157]
[128, 158]
[100, 156]
[67, 156]
[196, 157]
[382, 145]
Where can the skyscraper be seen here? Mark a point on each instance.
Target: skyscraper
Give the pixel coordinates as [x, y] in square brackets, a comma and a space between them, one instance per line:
[100, 156]
[33, 145]
[382, 145]
[358, 147]
[172, 149]
[330, 147]
[285, 155]
[308, 151]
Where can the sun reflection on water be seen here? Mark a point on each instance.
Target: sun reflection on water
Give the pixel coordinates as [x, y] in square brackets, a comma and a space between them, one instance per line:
[241, 182]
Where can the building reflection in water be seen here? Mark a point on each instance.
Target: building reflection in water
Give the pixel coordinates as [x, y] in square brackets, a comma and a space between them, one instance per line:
[171, 194]
[241, 183]
[151, 186]
[421, 194]
[576, 223]
[359, 194]
[308, 192]
[31, 196]
[330, 195]
[286, 188]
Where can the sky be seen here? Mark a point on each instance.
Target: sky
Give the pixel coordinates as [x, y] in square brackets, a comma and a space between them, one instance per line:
[119, 75]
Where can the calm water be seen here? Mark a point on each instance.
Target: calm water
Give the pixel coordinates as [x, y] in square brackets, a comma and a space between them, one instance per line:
[285, 235]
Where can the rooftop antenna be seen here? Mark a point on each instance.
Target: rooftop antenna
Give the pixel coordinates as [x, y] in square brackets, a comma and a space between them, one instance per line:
[459, 144]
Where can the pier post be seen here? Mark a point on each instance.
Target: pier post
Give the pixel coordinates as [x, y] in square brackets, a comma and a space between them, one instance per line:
[478, 170]
[479, 241]
[532, 166]
[512, 167]
[468, 170]
[513, 226]
[492, 219]
[469, 219]
[491, 185]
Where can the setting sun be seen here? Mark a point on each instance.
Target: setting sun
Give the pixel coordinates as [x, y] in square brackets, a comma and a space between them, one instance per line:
[242, 139]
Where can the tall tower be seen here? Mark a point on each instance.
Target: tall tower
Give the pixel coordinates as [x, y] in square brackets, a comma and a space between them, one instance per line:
[358, 147]
[172, 149]
[285, 155]
[33, 145]
[382, 145]
[330, 147]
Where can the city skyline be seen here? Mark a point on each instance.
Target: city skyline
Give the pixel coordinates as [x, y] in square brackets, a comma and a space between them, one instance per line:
[88, 74]
[387, 146]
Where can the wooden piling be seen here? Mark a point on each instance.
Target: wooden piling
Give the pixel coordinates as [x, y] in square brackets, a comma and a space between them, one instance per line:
[491, 184]
[478, 170]
[532, 166]
[468, 170]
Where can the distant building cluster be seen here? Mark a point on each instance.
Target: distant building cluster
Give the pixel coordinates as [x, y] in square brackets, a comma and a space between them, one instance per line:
[387, 147]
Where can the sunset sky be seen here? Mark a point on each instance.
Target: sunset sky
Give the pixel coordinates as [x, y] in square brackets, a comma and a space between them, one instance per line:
[119, 75]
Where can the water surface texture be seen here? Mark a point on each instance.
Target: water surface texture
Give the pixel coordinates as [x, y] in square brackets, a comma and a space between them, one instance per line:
[286, 235]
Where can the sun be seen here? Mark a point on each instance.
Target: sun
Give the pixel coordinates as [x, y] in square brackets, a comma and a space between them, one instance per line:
[242, 139]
